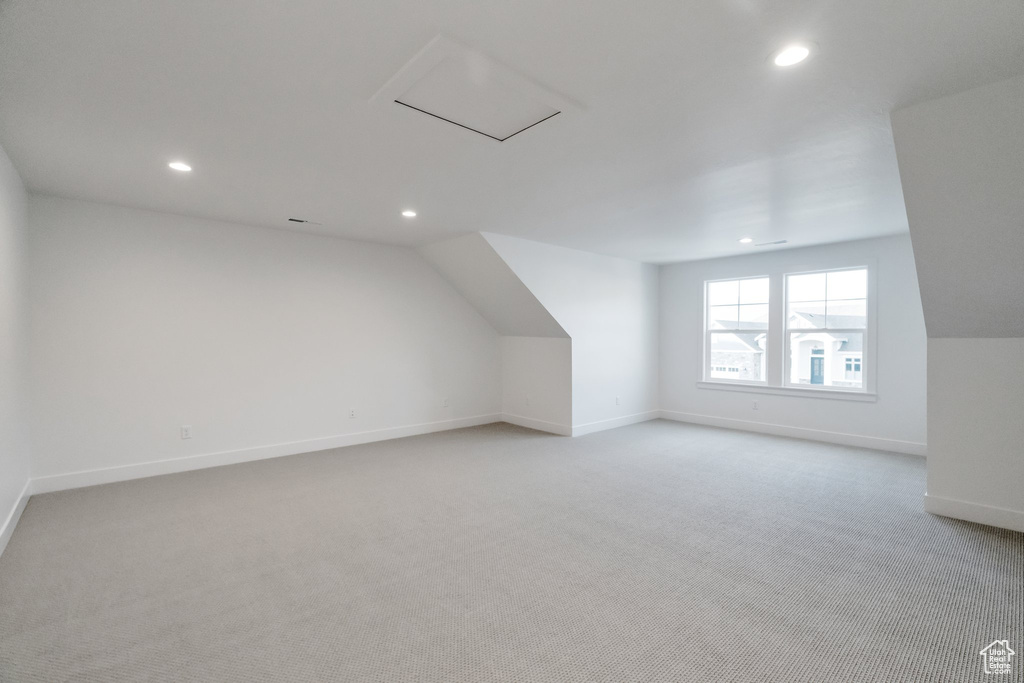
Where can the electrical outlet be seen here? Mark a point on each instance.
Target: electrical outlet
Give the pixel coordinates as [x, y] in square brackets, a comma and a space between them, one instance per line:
[352, 413]
[186, 431]
[755, 405]
[527, 400]
[618, 401]
[444, 403]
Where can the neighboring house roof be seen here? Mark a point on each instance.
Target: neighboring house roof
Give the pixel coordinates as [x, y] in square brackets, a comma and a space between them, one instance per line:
[849, 344]
[743, 342]
[838, 321]
[854, 345]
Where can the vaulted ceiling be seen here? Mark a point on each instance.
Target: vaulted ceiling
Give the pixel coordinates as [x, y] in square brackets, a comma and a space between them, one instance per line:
[683, 137]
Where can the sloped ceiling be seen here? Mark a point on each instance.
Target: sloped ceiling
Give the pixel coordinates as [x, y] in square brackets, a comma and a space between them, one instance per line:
[472, 266]
[961, 160]
[688, 138]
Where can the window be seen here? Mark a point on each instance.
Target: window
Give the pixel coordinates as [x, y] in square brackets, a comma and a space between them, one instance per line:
[795, 333]
[736, 330]
[826, 325]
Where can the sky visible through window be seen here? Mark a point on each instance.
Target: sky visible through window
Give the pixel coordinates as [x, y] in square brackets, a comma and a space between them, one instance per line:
[737, 326]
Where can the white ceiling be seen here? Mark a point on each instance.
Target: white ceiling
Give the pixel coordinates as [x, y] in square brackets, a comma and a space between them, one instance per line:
[687, 139]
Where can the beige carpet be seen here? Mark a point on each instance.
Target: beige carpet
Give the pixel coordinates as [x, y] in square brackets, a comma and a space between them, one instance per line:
[657, 552]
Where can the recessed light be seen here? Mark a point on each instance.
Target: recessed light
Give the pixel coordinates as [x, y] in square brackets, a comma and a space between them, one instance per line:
[791, 54]
[408, 213]
[746, 240]
[180, 166]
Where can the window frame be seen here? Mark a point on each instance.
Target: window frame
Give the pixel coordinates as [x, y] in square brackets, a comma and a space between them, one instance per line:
[776, 372]
[706, 369]
[867, 332]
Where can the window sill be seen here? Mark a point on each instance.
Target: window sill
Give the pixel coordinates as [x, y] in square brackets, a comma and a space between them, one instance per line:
[791, 391]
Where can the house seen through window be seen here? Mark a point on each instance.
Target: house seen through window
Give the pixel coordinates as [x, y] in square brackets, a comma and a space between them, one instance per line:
[821, 323]
[737, 329]
[826, 321]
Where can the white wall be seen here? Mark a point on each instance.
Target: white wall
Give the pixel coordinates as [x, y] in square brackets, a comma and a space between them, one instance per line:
[609, 307]
[262, 340]
[536, 352]
[976, 430]
[536, 383]
[15, 465]
[472, 266]
[896, 421]
[962, 166]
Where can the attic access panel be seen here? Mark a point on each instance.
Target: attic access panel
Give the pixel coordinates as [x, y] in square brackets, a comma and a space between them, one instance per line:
[461, 86]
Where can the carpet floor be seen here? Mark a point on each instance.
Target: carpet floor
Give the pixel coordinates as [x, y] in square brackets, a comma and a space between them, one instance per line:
[655, 552]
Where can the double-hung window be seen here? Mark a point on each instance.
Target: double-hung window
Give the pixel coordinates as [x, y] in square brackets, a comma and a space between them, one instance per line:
[736, 338]
[799, 331]
[826, 325]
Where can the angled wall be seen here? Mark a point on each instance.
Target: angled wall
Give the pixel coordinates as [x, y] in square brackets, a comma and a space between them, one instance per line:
[961, 162]
[15, 465]
[536, 352]
[580, 330]
[609, 307]
[472, 266]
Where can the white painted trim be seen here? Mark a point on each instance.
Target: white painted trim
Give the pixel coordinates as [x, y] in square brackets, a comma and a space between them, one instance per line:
[74, 480]
[893, 445]
[974, 512]
[790, 391]
[601, 425]
[7, 530]
[539, 425]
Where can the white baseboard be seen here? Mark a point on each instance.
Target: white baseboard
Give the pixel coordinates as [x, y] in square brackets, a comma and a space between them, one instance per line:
[892, 445]
[539, 425]
[975, 512]
[578, 430]
[74, 480]
[601, 425]
[12, 519]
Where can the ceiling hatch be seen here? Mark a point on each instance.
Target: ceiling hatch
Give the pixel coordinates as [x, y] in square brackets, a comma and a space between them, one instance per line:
[463, 87]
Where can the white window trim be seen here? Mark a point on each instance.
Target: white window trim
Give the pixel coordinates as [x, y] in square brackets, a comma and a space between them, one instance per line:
[867, 353]
[777, 373]
[706, 362]
[829, 392]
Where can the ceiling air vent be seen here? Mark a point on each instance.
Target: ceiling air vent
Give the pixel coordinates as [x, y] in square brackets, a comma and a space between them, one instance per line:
[461, 86]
